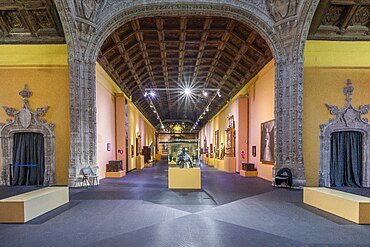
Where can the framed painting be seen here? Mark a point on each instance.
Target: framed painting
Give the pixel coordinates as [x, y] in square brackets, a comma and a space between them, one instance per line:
[267, 142]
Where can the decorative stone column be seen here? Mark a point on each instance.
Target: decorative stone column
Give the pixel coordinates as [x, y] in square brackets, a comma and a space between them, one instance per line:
[78, 18]
[292, 20]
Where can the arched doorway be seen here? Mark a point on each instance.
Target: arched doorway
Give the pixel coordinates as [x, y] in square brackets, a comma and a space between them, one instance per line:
[285, 34]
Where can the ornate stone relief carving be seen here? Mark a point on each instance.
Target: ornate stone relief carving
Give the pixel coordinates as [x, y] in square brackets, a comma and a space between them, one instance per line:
[89, 9]
[282, 9]
[27, 120]
[346, 119]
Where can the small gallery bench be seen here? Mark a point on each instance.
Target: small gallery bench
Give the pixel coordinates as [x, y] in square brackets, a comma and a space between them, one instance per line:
[24, 207]
[349, 206]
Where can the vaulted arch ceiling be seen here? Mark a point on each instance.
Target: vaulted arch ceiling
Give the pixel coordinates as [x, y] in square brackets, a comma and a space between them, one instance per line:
[170, 53]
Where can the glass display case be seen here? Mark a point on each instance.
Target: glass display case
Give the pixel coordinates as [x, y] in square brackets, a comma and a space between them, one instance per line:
[177, 148]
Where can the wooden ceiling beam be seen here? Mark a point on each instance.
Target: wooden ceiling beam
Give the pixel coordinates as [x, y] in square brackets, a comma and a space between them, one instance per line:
[321, 10]
[181, 51]
[162, 45]
[140, 39]
[349, 16]
[220, 48]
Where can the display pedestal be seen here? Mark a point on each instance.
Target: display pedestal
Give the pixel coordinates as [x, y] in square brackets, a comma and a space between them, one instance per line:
[220, 164]
[158, 157]
[115, 174]
[229, 164]
[139, 162]
[182, 178]
[172, 163]
[349, 206]
[248, 173]
[212, 162]
[149, 164]
[25, 207]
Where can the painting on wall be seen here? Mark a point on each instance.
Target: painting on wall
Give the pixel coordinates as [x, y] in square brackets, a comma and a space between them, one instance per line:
[132, 151]
[267, 142]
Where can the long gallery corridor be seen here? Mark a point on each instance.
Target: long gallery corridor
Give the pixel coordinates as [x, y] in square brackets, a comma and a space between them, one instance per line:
[230, 210]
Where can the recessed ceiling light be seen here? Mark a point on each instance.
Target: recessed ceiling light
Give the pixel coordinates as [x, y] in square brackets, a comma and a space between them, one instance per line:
[187, 91]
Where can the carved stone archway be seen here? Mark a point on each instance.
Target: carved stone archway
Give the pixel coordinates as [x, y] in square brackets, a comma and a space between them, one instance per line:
[27, 120]
[346, 119]
[284, 30]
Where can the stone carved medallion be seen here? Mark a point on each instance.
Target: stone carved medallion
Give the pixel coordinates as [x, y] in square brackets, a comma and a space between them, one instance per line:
[281, 9]
[25, 117]
[90, 7]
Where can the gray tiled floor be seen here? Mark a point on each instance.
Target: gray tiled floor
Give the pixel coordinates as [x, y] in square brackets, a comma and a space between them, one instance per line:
[230, 210]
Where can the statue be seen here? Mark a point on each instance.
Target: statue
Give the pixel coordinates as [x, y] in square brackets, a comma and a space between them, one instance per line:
[222, 153]
[184, 160]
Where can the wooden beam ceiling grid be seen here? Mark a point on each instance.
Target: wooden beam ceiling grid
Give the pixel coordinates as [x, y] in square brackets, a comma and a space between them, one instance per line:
[164, 51]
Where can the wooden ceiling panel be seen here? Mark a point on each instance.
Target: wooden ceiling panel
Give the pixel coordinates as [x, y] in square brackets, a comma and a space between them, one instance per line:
[174, 52]
[341, 20]
[30, 22]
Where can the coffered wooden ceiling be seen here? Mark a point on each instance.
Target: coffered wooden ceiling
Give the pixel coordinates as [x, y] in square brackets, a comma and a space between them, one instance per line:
[341, 20]
[175, 52]
[29, 22]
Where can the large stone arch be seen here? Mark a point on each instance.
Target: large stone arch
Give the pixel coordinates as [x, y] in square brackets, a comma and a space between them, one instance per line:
[285, 36]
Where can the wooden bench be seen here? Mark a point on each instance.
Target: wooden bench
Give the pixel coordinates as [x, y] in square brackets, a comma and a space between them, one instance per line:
[24, 207]
[349, 206]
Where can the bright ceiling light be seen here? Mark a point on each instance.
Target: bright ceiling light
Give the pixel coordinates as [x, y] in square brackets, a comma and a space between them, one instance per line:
[187, 91]
[219, 94]
[145, 94]
[205, 93]
[152, 93]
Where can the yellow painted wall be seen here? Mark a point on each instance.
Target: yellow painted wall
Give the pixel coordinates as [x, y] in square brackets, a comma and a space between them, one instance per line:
[261, 104]
[328, 65]
[105, 118]
[138, 123]
[44, 68]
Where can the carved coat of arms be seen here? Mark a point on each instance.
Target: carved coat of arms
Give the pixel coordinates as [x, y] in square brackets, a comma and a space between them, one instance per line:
[91, 7]
[280, 9]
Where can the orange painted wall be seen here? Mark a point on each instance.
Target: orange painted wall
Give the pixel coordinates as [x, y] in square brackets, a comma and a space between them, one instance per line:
[44, 68]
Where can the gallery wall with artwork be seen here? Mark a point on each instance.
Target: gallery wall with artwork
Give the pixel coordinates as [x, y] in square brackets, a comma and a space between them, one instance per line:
[261, 115]
[253, 106]
[111, 124]
[105, 119]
